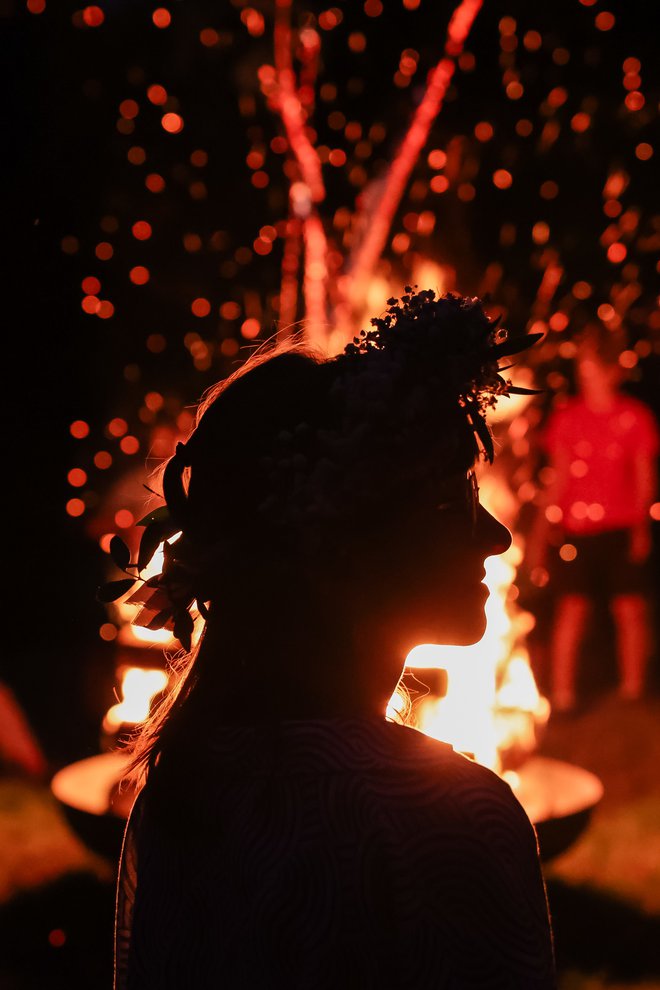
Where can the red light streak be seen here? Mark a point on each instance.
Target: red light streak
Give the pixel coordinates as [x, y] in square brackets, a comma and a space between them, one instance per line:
[374, 242]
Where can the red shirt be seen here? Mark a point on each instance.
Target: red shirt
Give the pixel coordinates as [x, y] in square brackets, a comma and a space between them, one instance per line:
[601, 448]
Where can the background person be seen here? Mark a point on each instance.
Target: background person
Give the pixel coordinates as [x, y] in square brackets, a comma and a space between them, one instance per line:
[602, 446]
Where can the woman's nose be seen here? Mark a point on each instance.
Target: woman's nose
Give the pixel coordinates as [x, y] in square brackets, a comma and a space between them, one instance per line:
[493, 536]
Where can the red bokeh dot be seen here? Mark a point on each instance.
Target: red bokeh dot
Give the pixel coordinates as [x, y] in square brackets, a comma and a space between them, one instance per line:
[57, 938]
[129, 109]
[155, 183]
[36, 6]
[172, 123]
[139, 275]
[200, 307]
[161, 17]
[105, 309]
[91, 285]
[102, 460]
[124, 519]
[141, 230]
[75, 507]
[91, 304]
[77, 477]
[93, 16]
[79, 429]
[104, 251]
[117, 427]
[108, 632]
[157, 94]
[616, 252]
[129, 445]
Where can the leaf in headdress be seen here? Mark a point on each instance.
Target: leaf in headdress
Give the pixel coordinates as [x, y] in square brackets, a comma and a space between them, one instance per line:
[113, 590]
[120, 553]
[482, 431]
[183, 628]
[515, 344]
[518, 390]
[154, 534]
[159, 515]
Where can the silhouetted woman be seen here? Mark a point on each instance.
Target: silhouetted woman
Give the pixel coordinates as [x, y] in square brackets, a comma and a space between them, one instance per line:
[288, 836]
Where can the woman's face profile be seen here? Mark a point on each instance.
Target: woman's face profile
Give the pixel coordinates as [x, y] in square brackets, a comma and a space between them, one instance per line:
[431, 569]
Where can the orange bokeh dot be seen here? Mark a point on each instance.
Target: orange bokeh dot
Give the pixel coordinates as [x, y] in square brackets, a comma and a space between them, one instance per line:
[141, 230]
[260, 180]
[439, 183]
[605, 21]
[157, 94]
[230, 311]
[644, 151]
[129, 445]
[77, 477]
[124, 518]
[153, 401]
[254, 159]
[155, 183]
[357, 42]
[156, 343]
[250, 328]
[483, 131]
[654, 511]
[136, 155]
[57, 938]
[558, 322]
[437, 158]
[104, 251]
[605, 312]
[139, 275]
[567, 552]
[580, 122]
[90, 304]
[93, 16]
[200, 307]
[105, 541]
[129, 109]
[161, 17]
[628, 359]
[540, 232]
[209, 37]
[117, 427]
[337, 157]
[75, 507]
[502, 179]
[105, 309]
[616, 252]
[199, 158]
[635, 100]
[91, 285]
[172, 123]
[79, 429]
[108, 631]
[514, 90]
[102, 460]
[549, 189]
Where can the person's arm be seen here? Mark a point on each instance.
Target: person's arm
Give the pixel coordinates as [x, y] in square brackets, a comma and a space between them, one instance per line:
[643, 492]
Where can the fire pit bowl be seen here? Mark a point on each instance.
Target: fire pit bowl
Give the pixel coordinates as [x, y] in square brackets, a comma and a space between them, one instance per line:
[558, 797]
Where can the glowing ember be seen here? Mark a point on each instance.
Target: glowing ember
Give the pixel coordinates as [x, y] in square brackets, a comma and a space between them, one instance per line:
[139, 687]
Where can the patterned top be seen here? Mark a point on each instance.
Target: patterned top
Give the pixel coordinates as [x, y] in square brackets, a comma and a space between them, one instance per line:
[344, 853]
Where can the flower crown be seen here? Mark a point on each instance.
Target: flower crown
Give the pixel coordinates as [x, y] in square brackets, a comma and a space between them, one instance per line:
[425, 357]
